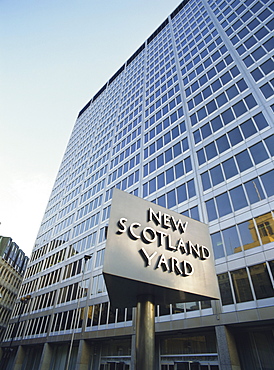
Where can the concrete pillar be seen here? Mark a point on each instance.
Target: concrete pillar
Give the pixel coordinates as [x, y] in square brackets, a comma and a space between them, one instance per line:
[97, 349]
[46, 357]
[83, 356]
[227, 350]
[19, 358]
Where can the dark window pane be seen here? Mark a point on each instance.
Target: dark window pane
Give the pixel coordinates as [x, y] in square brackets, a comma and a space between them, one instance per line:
[216, 175]
[254, 191]
[225, 288]
[211, 210]
[248, 235]
[188, 166]
[227, 116]
[191, 189]
[177, 149]
[261, 281]
[206, 130]
[267, 90]
[243, 160]
[238, 198]
[194, 213]
[201, 156]
[270, 144]
[223, 204]
[205, 181]
[267, 66]
[211, 151]
[250, 101]
[222, 144]
[260, 121]
[181, 193]
[160, 181]
[248, 128]
[235, 136]
[197, 136]
[232, 92]
[217, 245]
[162, 201]
[179, 170]
[169, 175]
[168, 155]
[221, 100]
[257, 74]
[268, 181]
[241, 286]
[230, 168]
[160, 161]
[216, 123]
[171, 199]
[231, 240]
[152, 185]
[239, 108]
[258, 153]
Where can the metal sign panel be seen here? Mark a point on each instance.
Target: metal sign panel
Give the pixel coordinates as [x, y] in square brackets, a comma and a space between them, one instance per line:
[153, 250]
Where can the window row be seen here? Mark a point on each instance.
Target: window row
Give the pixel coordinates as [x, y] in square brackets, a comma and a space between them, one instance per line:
[258, 53]
[66, 210]
[161, 70]
[133, 178]
[71, 195]
[63, 224]
[91, 206]
[178, 195]
[163, 62]
[168, 155]
[241, 196]
[224, 97]
[86, 225]
[263, 70]
[49, 279]
[246, 284]
[75, 182]
[243, 236]
[229, 168]
[82, 245]
[129, 150]
[198, 70]
[268, 89]
[55, 258]
[134, 161]
[162, 101]
[92, 191]
[129, 105]
[166, 177]
[248, 128]
[258, 152]
[163, 88]
[98, 163]
[96, 175]
[127, 129]
[105, 314]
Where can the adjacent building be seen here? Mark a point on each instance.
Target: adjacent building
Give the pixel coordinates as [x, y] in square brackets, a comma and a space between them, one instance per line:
[187, 122]
[13, 264]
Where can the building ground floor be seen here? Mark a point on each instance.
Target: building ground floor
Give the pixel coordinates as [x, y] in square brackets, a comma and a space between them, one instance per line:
[241, 346]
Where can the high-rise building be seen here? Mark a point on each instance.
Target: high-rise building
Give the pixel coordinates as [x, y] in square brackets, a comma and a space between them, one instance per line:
[13, 264]
[187, 123]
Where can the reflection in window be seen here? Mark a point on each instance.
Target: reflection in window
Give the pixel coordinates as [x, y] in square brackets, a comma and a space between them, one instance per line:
[248, 234]
[265, 224]
[261, 281]
[217, 245]
[241, 286]
[225, 289]
[231, 239]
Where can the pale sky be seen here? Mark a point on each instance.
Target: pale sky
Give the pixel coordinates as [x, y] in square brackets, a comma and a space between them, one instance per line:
[55, 55]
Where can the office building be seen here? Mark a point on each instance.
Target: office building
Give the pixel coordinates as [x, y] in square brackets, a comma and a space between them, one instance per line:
[13, 264]
[187, 123]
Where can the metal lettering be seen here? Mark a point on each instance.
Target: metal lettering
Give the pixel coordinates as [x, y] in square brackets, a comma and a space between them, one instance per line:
[147, 258]
[163, 262]
[169, 246]
[188, 269]
[204, 252]
[174, 262]
[130, 230]
[166, 221]
[152, 216]
[121, 225]
[148, 231]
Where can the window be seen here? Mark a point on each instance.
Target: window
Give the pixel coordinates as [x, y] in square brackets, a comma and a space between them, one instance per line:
[241, 286]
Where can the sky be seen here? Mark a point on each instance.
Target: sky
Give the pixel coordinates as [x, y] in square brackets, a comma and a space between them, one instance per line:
[54, 57]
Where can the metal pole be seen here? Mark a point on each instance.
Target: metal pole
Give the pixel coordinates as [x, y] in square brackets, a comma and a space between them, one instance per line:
[145, 333]
[77, 312]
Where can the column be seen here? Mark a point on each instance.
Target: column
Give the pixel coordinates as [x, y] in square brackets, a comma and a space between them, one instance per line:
[19, 358]
[83, 356]
[46, 357]
[227, 350]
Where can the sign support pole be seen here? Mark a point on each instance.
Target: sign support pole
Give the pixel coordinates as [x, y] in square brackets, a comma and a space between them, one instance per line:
[145, 333]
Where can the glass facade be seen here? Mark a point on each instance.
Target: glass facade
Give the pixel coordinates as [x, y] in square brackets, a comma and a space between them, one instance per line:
[187, 123]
